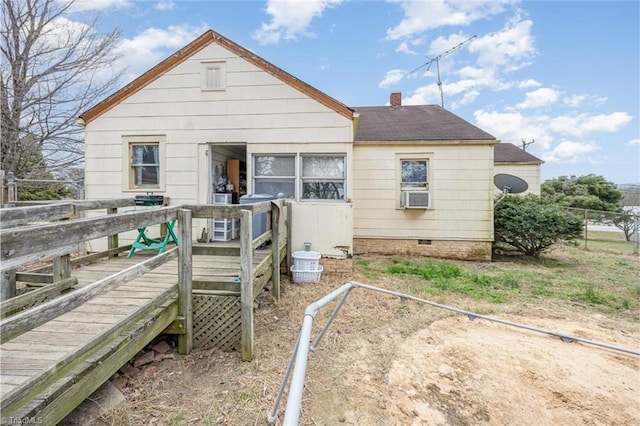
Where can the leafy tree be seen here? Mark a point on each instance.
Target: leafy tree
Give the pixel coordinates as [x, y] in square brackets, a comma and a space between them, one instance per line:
[53, 69]
[586, 192]
[625, 221]
[528, 225]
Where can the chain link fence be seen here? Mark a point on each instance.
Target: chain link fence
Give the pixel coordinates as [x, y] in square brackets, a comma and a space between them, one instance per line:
[610, 231]
[14, 189]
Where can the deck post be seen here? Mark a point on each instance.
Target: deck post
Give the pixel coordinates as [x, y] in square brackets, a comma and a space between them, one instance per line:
[275, 249]
[12, 188]
[3, 189]
[112, 240]
[185, 283]
[246, 280]
[8, 285]
[289, 233]
[61, 267]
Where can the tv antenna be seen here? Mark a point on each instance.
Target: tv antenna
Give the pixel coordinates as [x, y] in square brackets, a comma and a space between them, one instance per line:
[525, 144]
[437, 61]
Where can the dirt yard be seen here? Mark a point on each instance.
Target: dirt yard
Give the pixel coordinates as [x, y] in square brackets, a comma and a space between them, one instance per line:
[384, 362]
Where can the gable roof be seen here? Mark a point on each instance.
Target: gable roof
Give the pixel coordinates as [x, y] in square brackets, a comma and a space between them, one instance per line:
[414, 123]
[509, 153]
[198, 44]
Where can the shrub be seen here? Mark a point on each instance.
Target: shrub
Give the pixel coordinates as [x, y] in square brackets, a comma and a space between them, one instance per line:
[529, 226]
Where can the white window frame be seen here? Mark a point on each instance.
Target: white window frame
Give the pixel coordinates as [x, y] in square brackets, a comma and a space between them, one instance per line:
[298, 178]
[128, 178]
[254, 159]
[400, 158]
[209, 68]
[303, 178]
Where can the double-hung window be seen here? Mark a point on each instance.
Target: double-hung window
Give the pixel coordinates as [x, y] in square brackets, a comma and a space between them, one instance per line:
[323, 177]
[275, 175]
[414, 175]
[300, 176]
[144, 165]
[413, 181]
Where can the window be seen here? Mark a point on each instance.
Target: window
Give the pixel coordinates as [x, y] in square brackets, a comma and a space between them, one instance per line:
[413, 181]
[213, 76]
[275, 175]
[144, 165]
[313, 177]
[414, 175]
[323, 177]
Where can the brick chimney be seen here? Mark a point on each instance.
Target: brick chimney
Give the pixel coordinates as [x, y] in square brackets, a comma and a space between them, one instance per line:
[396, 99]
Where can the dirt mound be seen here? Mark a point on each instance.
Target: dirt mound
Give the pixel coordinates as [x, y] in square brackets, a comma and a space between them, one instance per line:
[462, 372]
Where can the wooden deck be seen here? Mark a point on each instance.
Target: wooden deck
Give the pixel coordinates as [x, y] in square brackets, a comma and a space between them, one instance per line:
[31, 360]
[56, 349]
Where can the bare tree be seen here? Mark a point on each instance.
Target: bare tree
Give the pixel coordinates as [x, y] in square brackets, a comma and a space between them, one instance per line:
[53, 69]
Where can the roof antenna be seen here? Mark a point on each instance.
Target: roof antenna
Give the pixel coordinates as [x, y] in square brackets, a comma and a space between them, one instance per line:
[437, 61]
[526, 144]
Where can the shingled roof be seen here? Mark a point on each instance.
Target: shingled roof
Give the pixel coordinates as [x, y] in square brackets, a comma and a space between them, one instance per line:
[414, 123]
[509, 153]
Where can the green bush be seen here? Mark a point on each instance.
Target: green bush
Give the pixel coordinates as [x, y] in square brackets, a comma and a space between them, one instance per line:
[529, 226]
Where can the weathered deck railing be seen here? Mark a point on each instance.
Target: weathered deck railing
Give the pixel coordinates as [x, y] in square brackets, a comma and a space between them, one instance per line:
[30, 212]
[250, 283]
[29, 244]
[113, 347]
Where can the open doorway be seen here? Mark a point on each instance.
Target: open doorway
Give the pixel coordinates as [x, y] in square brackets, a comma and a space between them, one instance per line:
[227, 183]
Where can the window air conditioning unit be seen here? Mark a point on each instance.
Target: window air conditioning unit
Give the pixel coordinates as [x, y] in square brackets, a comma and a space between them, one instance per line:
[415, 199]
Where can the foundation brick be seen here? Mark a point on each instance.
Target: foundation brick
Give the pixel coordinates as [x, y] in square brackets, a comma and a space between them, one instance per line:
[461, 250]
[337, 267]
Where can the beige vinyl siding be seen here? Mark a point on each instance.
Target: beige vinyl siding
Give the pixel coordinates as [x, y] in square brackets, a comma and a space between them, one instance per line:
[255, 108]
[529, 172]
[460, 186]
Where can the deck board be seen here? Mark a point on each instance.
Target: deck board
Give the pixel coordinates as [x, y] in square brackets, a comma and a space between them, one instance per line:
[29, 355]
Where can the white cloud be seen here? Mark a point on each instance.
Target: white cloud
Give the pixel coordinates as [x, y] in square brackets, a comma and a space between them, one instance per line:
[511, 48]
[468, 98]
[164, 5]
[153, 45]
[425, 95]
[86, 5]
[290, 19]
[404, 48]
[526, 84]
[539, 98]
[572, 152]
[634, 142]
[514, 126]
[392, 77]
[583, 124]
[420, 16]
[574, 101]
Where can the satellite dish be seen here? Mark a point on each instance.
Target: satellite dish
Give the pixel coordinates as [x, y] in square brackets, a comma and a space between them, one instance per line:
[510, 184]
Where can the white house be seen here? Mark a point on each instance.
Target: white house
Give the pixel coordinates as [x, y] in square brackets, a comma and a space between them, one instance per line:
[215, 118]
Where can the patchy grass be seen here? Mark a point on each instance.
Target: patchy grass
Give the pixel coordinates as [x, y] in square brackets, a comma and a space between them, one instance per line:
[608, 241]
[605, 281]
[449, 277]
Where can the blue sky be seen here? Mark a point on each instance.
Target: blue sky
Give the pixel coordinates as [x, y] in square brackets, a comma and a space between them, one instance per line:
[562, 73]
